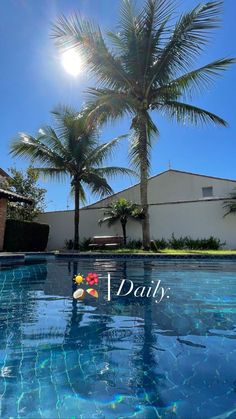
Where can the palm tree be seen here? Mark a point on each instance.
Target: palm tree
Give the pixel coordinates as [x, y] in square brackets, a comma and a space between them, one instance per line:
[71, 149]
[121, 210]
[148, 68]
[229, 205]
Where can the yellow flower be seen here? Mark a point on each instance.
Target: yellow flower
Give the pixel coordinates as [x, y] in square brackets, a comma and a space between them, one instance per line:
[79, 279]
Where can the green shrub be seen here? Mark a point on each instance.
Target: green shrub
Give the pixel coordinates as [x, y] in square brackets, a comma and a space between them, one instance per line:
[134, 244]
[69, 244]
[25, 236]
[181, 243]
[159, 244]
[83, 244]
[211, 243]
[177, 244]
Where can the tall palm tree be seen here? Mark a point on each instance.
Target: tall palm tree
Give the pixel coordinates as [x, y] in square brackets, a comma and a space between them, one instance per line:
[121, 210]
[71, 149]
[148, 67]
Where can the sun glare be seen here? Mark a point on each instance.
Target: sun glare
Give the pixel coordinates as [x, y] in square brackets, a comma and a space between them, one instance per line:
[72, 62]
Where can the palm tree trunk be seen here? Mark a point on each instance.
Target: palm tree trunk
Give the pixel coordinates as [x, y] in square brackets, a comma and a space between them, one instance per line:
[124, 233]
[144, 185]
[76, 217]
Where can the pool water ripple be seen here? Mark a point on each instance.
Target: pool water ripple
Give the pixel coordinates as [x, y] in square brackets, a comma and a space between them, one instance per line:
[129, 358]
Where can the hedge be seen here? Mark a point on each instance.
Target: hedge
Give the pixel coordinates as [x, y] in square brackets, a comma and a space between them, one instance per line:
[209, 243]
[187, 243]
[25, 236]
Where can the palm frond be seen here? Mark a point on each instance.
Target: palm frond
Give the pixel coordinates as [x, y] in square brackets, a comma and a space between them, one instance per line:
[104, 151]
[156, 12]
[113, 171]
[36, 149]
[184, 113]
[107, 104]
[82, 194]
[97, 184]
[201, 78]
[121, 210]
[86, 38]
[229, 205]
[64, 113]
[230, 208]
[186, 42]
[116, 41]
[73, 123]
[75, 152]
[55, 143]
[194, 81]
[110, 219]
[129, 19]
[77, 136]
[52, 173]
[140, 34]
[155, 15]
[131, 34]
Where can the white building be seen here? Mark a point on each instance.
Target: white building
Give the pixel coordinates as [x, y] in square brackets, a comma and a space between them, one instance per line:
[180, 203]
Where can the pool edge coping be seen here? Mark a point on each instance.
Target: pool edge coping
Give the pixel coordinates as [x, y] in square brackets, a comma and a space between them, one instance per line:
[23, 256]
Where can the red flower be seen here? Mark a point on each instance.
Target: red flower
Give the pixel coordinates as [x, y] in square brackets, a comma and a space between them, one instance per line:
[92, 278]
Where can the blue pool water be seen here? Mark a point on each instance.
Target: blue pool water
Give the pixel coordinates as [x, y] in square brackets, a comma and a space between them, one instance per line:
[127, 358]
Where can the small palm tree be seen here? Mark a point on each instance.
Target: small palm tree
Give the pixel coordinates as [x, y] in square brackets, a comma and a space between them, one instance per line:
[229, 205]
[71, 149]
[148, 69]
[122, 210]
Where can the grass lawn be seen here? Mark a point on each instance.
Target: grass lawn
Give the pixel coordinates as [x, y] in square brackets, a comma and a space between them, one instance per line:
[201, 252]
[172, 251]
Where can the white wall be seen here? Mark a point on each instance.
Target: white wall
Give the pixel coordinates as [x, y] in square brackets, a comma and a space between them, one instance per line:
[201, 218]
[173, 186]
[196, 219]
[62, 227]
[179, 186]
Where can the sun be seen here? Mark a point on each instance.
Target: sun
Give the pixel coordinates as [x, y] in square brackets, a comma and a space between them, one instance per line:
[72, 62]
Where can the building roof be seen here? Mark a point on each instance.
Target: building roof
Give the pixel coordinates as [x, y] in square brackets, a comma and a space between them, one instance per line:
[157, 175]
[3, 173]
[151, 177]
[195, 174]
[14, 197]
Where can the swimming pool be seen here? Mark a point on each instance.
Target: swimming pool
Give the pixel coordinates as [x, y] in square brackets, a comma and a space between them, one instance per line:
[127, 358]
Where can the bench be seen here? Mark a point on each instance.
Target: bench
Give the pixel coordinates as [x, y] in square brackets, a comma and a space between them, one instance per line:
[106, 241]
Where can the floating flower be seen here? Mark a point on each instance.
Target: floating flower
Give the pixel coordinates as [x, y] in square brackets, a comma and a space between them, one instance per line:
[92, 292]
[92, 278]
[79, 279]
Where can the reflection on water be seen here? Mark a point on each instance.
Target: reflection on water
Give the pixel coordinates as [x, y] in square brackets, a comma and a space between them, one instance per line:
[131, 357]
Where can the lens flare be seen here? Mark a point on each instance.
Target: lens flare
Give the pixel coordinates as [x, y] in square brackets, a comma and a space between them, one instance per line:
[72, 62]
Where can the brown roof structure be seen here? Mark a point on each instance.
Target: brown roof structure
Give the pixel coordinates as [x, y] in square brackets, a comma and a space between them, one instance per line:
[14, 197]
[3, 173]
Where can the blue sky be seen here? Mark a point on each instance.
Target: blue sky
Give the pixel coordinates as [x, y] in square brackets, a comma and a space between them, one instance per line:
[33, 81]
